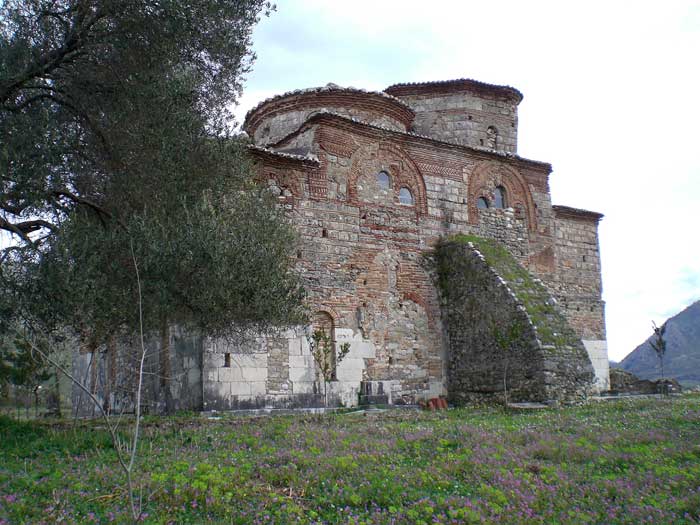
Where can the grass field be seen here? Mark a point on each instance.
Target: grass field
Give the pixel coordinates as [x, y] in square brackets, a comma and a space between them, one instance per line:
[633, 461]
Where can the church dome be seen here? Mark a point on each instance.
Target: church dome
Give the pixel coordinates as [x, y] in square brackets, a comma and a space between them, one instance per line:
[276, 117]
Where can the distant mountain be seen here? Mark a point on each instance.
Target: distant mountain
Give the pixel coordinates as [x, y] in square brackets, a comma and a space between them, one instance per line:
[682, 358]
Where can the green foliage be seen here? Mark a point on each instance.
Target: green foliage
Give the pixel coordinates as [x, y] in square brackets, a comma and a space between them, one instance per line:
[19, 365]
[116, 153]
[505, 338]
[96, 92]
[551, 326]
[327, 358]
[36, 440]
[324, 353]
[619, 462]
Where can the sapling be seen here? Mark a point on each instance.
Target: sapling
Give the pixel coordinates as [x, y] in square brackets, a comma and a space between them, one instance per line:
[323, 351]
[658, 343]
[505, 340]
[126, 451]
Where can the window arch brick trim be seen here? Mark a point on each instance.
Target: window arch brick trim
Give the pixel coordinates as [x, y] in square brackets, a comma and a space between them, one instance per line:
[284, 181]
[407, 176]
[326, 309]
[486, 177]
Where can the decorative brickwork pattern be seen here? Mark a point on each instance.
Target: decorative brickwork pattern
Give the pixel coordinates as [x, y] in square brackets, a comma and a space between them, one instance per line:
[365, 254]
[484, 179]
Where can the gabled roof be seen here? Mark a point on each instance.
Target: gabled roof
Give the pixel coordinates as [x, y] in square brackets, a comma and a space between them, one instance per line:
[308, 159]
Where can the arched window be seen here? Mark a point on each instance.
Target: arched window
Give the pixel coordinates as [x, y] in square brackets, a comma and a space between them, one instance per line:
[384, 180]
[482, 203]
[323, 323]
[405, 197]
[492, 137]
[499, 197]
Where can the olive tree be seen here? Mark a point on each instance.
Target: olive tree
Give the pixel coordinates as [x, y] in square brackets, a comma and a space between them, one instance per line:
[115, 145]
[130, 205]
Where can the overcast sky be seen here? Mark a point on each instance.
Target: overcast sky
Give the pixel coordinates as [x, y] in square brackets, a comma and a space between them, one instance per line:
[611, 101]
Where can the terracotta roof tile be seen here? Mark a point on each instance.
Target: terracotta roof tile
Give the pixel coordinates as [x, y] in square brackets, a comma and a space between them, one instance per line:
[577, 213]
[406, 86]
[330, 87]
[309, 158]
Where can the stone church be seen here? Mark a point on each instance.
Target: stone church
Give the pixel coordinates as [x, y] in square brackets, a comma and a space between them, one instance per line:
[379, 186]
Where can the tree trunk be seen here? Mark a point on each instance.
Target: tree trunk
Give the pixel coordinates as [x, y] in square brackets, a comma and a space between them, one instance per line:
[110, 374]
[57, 392]
[664, 389]
[165, 368]
[95, 362]
[5, 390]
[505, 384]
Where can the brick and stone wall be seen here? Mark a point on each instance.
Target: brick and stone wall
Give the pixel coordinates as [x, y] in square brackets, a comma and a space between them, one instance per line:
[275, 118]
[365, 256]
[578, 284]
[362, 251]
[464, 112]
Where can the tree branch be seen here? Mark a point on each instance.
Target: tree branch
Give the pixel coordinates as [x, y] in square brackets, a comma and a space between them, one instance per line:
[23, 229]
[14, 210]
[64, 192]
[52, 60]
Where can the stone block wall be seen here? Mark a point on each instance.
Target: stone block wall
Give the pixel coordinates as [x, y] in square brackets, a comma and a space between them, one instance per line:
[503, 326]
[505, 227]
[280, 372]
[578, 284]
[111, 372]
[460, 114]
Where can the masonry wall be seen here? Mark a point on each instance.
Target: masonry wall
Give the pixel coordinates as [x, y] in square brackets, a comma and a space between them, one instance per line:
[364, 258]
[504, 329]
[465, 118]
[279, 124]
[111, 372]
[476, 305]
[578, 286]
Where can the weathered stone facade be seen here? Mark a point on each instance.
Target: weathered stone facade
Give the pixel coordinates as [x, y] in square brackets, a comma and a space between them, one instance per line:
[505, 334]
[578, 285]
[373, 181]
[110, 372]
[464, 112]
